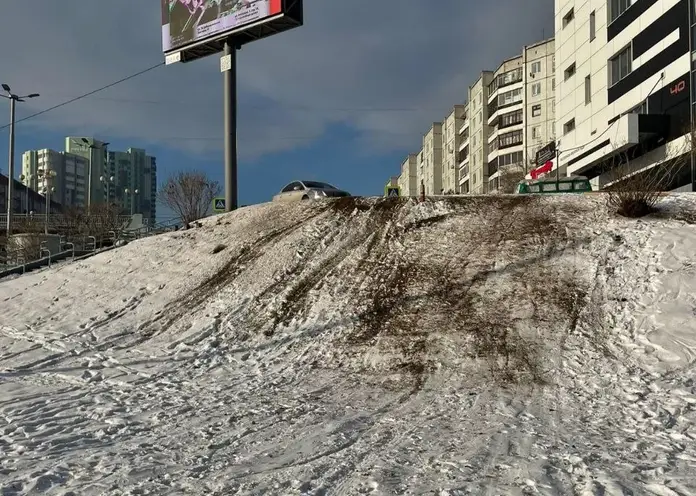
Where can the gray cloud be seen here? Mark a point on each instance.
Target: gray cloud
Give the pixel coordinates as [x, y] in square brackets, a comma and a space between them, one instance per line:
[384, 67]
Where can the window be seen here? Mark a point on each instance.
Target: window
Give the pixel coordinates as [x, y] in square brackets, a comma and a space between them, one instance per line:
[536, 132]
[536, 67]
[593, 33]
[569, 72]
[588, 90]
[512, 138]
[620, 66]
[510, 159]
[291, 187]
[553, 83]
[617, 7]
[510, 119]
[536, 110]
[569, 126]
[568, 17]
[536, 89]
[505, 79]
[510, 97]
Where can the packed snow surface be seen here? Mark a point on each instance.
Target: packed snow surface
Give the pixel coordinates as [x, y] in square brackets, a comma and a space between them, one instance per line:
[486, 346]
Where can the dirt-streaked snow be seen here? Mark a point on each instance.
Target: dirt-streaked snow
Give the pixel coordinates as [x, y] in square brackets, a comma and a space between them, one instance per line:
[485, 346]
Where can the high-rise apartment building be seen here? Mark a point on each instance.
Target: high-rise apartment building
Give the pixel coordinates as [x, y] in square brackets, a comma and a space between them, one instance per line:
[478, 125]
[408, 179]
[127, 179]
[540, 103]
[432, 160]
[463, 155]
[134, 185]
[450, 149]
[94, 152]
[520, 111]
[506, 120]
[623, 86]
[63, 172]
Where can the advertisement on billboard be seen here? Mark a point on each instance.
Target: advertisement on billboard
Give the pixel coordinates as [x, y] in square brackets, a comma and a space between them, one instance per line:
[185, 22]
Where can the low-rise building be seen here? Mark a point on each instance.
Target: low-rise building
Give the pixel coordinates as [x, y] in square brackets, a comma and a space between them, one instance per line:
[408, 179]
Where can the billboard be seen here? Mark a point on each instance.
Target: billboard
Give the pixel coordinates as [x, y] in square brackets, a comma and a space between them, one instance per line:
[193, 22]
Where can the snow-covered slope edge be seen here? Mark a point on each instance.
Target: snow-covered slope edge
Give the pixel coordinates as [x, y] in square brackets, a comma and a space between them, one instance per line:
[505, 345]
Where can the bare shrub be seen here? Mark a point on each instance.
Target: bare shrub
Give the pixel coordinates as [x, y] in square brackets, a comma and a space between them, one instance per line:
[26, 248]
[190, 194]
[509, 177]
[99, 220]
[634, 192]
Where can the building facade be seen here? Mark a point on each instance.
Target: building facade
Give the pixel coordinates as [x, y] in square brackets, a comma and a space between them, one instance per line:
[623, 87]
[477, 124]
[432, 160]
[95, 153]
[506, 104]
[64, 173]
[130, 181]
[408, 179]
[540, 99]
[463, 177]
[521, 111]
[450, 149]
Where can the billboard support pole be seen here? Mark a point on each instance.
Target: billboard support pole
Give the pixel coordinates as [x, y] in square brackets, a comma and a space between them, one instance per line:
[230, 126]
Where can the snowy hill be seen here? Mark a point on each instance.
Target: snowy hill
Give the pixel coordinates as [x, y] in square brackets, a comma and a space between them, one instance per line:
[499, 345]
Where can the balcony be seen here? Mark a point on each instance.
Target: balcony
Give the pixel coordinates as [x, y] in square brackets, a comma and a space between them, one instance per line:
[464, 142]
[463, 155]
[464, 127]
[505, 79]
[510, 139]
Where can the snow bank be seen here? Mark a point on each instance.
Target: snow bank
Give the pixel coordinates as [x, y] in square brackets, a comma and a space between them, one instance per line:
[498, 345]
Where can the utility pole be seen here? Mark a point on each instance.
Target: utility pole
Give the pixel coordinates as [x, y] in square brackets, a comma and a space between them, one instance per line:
[228, 66]
[10, 162]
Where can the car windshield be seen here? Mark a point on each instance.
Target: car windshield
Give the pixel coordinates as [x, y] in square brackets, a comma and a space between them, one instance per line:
[317, 185]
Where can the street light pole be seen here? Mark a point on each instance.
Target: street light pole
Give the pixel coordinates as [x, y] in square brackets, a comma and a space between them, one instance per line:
[26, 180]
[91, 147]
[10, 168]
[48, 174]
[49, 190]
[10, 163]
[135, 192]
[108, 181]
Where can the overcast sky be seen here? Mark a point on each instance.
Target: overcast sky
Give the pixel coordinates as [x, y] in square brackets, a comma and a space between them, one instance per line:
[381, 69]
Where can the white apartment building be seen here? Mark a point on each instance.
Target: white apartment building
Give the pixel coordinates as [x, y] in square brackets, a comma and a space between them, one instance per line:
[463, 178]
[408, 179]
[474, 147]
[450, 149]
[622, 85]
[540, 99]
[505, 120]
[432, 160]
[420, 178]
[520, 111]
[67, 175]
